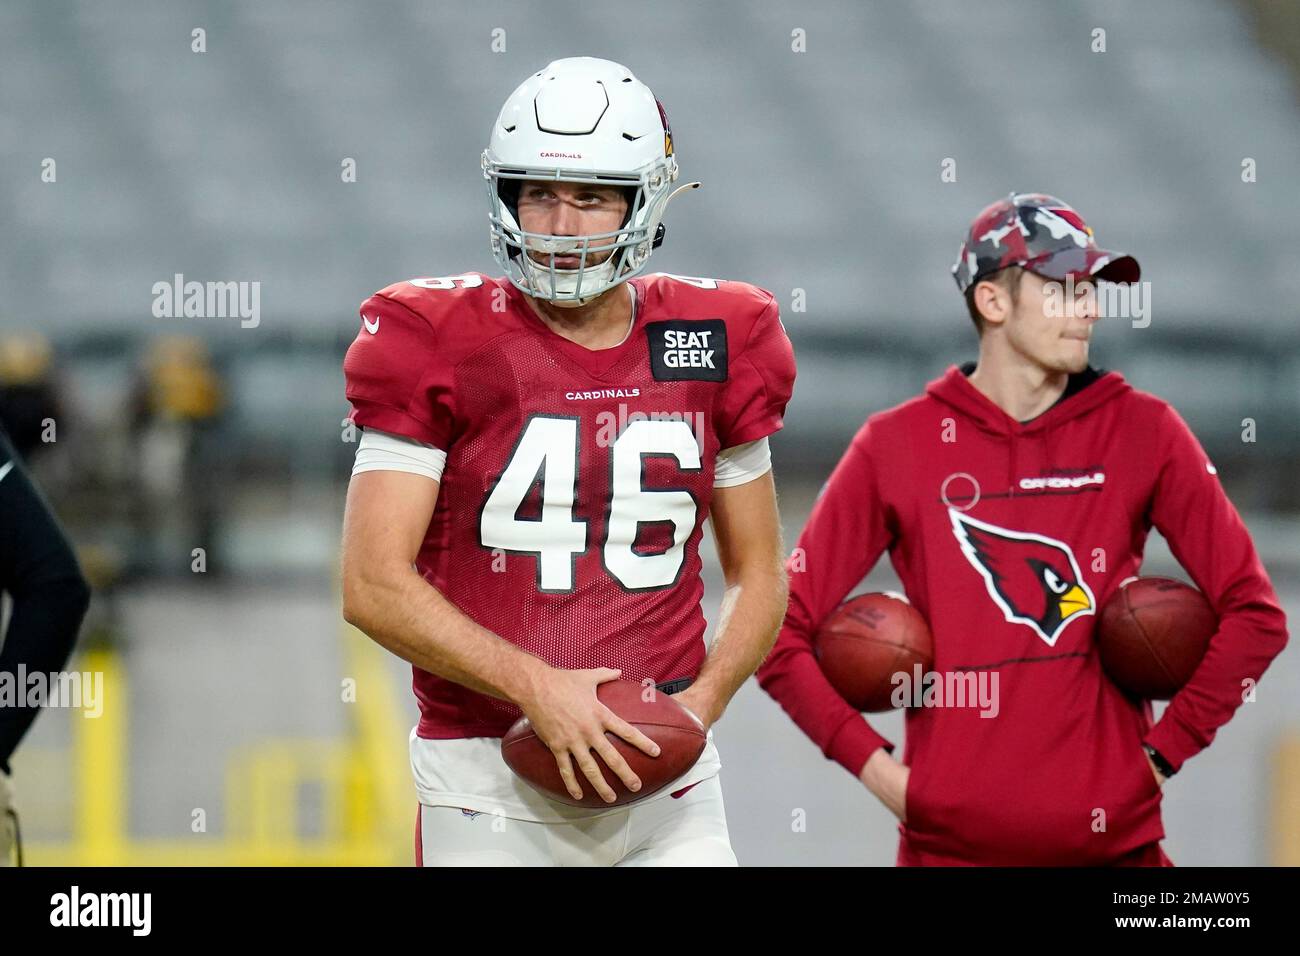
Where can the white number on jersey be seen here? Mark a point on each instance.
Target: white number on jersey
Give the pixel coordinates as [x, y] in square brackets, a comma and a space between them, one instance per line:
[633, 504]
[467, 281]
[548, 449]
[696, 281]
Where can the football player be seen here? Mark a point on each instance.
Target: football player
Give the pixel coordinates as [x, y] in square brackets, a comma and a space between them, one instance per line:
[1014, 497]
[540, 451]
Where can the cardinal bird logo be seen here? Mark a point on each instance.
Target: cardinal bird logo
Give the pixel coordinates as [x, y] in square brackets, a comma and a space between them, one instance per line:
[1032, 578]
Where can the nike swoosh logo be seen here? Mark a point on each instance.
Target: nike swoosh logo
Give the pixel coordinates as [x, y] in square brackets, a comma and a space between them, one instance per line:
[372, 329]
[5, 469]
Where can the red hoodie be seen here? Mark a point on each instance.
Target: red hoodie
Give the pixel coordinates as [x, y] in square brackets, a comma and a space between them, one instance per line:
[1007, 537]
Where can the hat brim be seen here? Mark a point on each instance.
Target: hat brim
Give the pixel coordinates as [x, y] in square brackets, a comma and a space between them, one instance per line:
[1094, 263]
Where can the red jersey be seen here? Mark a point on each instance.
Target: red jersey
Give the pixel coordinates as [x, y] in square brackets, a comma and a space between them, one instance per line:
[1008, 537]
[577, 481]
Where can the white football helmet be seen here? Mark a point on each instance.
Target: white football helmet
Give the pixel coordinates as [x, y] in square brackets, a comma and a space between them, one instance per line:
[580, 120]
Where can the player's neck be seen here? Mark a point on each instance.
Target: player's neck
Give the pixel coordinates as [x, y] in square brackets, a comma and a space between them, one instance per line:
[1020, 387]
[600, 324]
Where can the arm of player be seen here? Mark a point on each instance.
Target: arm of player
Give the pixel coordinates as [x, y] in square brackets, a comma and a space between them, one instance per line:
[1209, 539]
[48, 594]
[386, 598]
[845, 535]
[747, 529]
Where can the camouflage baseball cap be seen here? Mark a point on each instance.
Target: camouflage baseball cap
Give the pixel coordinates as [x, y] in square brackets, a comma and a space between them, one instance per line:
[1039, 233]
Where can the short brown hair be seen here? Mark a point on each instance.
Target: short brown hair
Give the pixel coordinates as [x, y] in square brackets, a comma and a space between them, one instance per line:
[1008, 278]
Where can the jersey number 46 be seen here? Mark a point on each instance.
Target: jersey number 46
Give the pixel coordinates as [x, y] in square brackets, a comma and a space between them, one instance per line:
[547, 451]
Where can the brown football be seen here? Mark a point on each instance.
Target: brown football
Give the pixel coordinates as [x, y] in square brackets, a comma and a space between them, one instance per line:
[869, 639]
[1152, 635]
[680, 737]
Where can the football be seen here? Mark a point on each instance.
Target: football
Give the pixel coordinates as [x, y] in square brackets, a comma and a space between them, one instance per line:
[678, 733]
[869, 639]
[1152, 635]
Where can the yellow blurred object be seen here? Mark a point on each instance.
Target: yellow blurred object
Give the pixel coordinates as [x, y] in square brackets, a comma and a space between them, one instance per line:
[101, 564]
[25, 358]
[182, 382]
[1286, 802]
[368, 806]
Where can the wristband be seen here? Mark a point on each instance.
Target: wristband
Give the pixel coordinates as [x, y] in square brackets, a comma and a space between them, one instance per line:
[1161, 763]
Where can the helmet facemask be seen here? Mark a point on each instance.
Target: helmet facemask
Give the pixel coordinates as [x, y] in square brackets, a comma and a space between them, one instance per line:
[628, 248]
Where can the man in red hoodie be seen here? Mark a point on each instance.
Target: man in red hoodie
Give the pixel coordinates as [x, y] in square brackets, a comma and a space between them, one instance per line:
[1014, 497]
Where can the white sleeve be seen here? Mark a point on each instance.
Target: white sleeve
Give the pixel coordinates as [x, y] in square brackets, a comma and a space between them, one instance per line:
[741, 464]
[383, 451]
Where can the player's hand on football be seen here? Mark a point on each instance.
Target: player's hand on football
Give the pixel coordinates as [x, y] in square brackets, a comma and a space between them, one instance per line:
[572, 722]
[887, 779]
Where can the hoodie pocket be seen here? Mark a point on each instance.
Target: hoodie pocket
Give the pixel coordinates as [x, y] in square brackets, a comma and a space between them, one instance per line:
[911, 803]
[1151, 786]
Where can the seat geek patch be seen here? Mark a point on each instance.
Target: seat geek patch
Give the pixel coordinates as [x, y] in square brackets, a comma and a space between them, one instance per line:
[682, 349]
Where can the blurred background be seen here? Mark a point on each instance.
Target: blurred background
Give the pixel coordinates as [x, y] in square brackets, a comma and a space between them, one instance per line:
[325, 150]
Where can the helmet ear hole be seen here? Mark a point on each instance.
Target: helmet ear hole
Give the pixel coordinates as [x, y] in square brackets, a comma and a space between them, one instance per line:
[508, 190]
[630, 195]
[660, 232]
